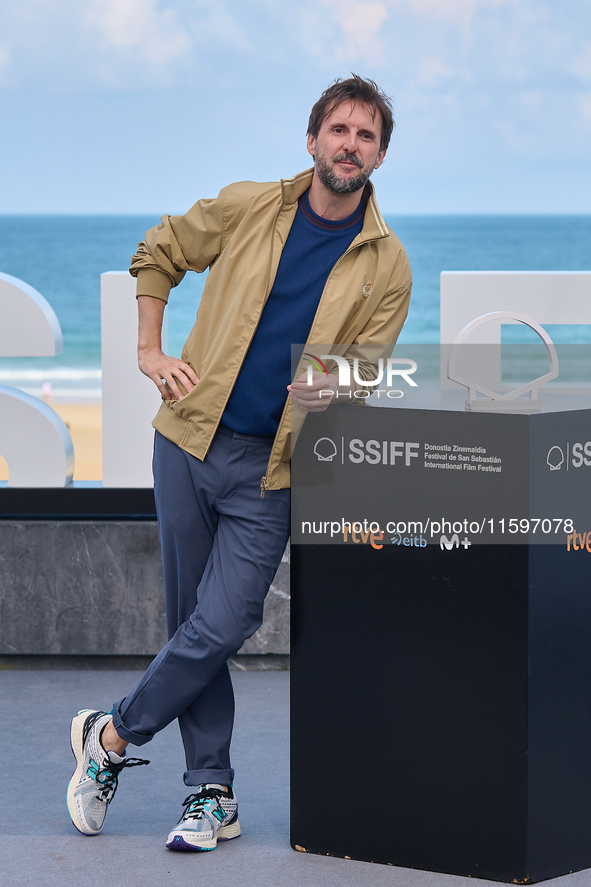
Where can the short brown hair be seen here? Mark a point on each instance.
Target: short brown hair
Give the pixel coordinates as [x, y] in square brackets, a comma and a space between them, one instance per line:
[354, 89]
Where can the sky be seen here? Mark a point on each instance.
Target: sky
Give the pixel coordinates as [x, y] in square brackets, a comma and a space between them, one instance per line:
[144, 106]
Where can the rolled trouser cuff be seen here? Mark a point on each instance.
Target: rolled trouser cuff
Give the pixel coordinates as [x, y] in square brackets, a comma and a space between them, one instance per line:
[202, 777]
[123, 732]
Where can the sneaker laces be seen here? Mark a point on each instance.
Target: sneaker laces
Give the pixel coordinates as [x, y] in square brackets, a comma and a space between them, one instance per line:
[195, 805]
[108, 776]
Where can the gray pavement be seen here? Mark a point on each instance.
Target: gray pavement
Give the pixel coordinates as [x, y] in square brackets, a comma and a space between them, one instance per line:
[39, 845]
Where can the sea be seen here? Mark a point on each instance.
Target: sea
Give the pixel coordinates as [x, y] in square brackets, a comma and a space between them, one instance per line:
[63, 257]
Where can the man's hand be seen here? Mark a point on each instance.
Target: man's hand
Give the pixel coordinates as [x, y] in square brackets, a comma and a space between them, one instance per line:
[167, 373]
[314, 398]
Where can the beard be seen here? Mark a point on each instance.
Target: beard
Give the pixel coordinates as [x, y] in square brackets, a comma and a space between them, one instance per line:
[331, 179]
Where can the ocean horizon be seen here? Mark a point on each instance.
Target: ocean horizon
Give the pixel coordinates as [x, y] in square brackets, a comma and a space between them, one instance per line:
[63, 256]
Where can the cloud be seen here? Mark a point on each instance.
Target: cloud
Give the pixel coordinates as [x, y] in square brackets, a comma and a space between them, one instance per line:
[372, 31]
[585, 107]
[360, 23]
[581, 65]
[581, 69]
[129, 23]
[4, 57]
[432, 73]
[117, 44]
[518, 59]
[134, 40]
[457, 11]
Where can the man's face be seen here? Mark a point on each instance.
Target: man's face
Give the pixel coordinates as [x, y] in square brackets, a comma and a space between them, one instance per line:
[347, 148]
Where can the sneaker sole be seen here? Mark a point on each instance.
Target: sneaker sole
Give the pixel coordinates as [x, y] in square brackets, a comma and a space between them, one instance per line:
[78, 752]
[176, 841]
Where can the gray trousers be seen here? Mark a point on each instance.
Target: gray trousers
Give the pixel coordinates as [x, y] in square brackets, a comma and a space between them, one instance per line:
[221, 545]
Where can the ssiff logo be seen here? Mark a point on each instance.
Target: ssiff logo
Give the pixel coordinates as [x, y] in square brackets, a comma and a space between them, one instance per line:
[370, 452]
[577, 455]
[555, 458]
[325, 449]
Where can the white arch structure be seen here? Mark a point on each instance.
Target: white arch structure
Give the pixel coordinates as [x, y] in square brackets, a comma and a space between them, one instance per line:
[549, 297]
[33, 439]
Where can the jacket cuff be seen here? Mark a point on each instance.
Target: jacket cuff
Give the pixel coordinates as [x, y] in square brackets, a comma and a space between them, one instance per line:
[153, 283]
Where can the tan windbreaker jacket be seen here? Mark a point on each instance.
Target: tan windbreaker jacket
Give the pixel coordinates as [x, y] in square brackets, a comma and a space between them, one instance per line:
[239, 235]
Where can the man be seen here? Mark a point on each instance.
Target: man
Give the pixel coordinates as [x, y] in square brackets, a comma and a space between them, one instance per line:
[306, 259]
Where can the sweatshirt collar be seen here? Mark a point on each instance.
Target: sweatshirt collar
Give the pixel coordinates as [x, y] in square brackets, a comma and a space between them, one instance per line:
[374, 226]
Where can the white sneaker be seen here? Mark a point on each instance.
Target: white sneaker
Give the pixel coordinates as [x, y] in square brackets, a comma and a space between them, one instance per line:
[210, 815]
[94, 782]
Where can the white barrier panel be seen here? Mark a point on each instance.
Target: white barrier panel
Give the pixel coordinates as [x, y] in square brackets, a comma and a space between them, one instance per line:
[34, 441]
[28, 324]
[548, 297]
[130, 399]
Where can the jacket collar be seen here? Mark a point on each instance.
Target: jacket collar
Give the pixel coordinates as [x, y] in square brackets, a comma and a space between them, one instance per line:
[374, 226]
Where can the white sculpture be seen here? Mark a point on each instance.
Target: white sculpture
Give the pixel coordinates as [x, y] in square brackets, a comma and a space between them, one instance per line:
[33, 439]
[508, 401]
[28, 324]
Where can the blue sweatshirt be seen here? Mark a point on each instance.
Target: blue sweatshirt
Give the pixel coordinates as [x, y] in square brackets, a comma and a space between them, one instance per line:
[313, 247]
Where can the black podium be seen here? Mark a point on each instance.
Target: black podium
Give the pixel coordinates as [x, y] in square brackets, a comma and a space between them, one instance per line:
[441, 678]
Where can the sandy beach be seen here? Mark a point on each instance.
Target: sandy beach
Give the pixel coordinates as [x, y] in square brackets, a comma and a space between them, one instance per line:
[84, 421]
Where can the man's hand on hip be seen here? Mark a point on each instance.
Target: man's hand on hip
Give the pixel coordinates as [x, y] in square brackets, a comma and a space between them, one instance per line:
[167, 373]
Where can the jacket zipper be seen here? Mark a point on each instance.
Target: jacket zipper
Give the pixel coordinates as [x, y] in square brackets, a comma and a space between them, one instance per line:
[252, 335]
[264, 482]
